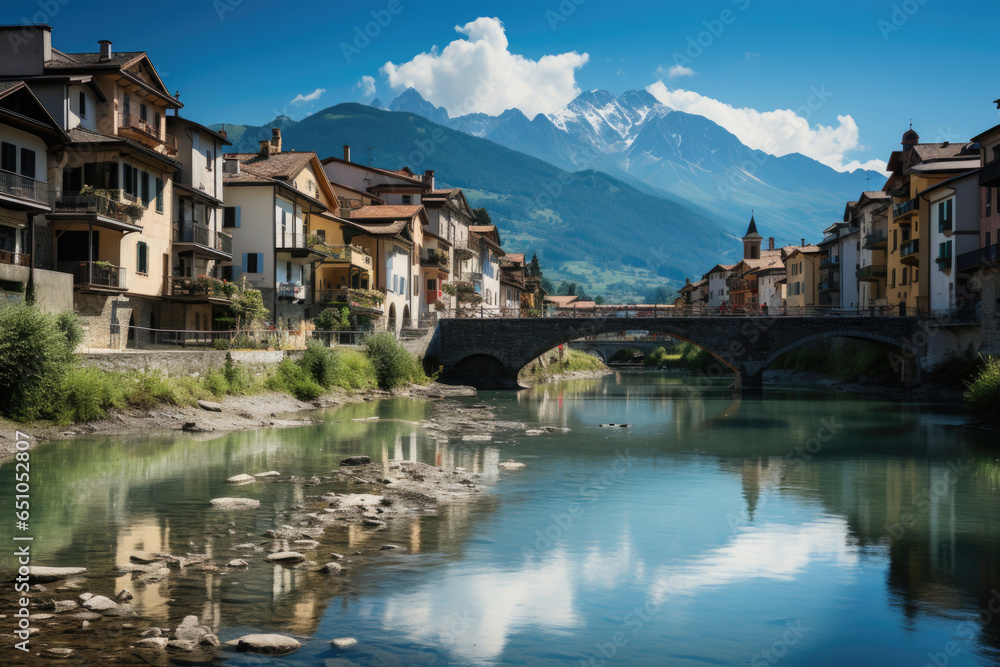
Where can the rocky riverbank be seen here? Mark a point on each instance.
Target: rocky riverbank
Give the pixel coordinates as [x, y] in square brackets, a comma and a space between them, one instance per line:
[232, 413]
[345, 522]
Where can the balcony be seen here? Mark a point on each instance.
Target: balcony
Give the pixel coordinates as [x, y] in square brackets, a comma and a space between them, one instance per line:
[95, 276]
[112, 209]
[190, 236]
[347, 254]
[737, 285]
[903, 212]
[829, 286]
[201, 289]
[299, 244]
[829, 262]
[944, 226]
[909, 252]
[141, 130]
[871, 274]
[355, 299]
[14, 258]
[878, 240]
[989, 175]
[295, 292]
[437, 257]
[21, 192]
[468, 291]
[980, 258]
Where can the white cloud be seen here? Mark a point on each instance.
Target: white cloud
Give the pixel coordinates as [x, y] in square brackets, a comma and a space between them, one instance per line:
[480, 74]
[676, 71]
[301, 99]
[778, 132]
[366, 85]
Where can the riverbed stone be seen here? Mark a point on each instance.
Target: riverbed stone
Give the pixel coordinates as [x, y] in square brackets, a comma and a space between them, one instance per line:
[285, 557]
[336, 556]
[210, 406]
[99, 603]
[145, 558]
[57, 653]
[270, 473]
[121, 611]
[50, 574]
[511, 465]
[152, 632]
[306, 544]
[356, 461]
[241, 479]
[332, 568]
[59, 606]
[191, 630]
[152, 642]
[235, 503]
[237, 562]
[86, 616]
[344, 642]
[123, 596]
[268, 644]
[477, 438]
[534, 431]
[183, 645]
[374, 522]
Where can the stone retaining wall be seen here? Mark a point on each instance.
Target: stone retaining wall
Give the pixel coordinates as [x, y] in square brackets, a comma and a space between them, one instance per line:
[184, 363]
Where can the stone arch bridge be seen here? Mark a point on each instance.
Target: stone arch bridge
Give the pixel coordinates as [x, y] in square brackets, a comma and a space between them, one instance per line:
[490, 352]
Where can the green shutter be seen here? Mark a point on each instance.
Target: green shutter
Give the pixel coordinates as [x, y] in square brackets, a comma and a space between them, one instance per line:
[159, 195]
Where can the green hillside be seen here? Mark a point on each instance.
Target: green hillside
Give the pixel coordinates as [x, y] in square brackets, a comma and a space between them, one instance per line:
[564, 217]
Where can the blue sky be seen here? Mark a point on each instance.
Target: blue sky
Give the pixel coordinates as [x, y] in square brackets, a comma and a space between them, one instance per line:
[880, 63]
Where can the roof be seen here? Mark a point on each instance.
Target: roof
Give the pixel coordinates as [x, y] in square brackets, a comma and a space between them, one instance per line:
[172, 120]
[283, 166]
[441, 193]
[482, 229]
[416, 180]
[119, 59]
[386, 212]
[945, 165]
[788, 251]
[561, 301]
[382, 229]
[942, 151]
[512, 259]
[752, 229]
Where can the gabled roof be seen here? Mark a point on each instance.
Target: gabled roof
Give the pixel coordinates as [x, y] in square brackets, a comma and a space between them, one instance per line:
[80, 135]
[37, 121]
[120, 61]
[791, 250]
[719, 267]
[283, 166]
[414, 179]
[388, 211]
[561, 301]
[180, 120]
[512, 259]
[489, 234]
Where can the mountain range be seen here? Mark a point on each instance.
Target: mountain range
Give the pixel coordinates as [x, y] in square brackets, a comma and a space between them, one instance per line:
[585, 225]
[608, 190]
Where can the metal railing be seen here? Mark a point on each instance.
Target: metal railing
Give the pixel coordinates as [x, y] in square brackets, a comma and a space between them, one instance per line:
[909, 248]
[873, 272]
[989, 174]
[829, 286]
[99, 274]
[295, 291]
[15, 258]
[142, 338]
[203, 286]
[353, 297]
[23, 187]
[193, 233]
[332, 338]
[906, 208]
[829, 261]
[291, 240]
[74, 202]
[350, 254]
[438, 257]
[878, 238]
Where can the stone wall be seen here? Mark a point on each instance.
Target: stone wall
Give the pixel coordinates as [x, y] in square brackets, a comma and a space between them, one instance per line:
[97, 312]
[187, 363]
[990, 311]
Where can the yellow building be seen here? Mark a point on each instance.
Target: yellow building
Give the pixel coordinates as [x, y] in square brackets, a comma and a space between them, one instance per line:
[915, 168]
[802, 276]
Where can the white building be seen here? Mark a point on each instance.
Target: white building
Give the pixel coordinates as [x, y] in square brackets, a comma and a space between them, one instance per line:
[871, 214]
[954, 230]
[718, 292]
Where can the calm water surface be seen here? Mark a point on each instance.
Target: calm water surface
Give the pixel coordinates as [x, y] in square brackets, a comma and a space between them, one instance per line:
[803, 528]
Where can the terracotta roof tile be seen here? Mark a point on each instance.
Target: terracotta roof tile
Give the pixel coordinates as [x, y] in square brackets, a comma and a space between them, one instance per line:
[61, 59]
[283, 166]
[385, 212]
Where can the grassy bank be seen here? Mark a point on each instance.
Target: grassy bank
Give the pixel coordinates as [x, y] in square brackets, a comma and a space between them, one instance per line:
[982, 394]
[683, 356]
[42, 379]
[572, 361]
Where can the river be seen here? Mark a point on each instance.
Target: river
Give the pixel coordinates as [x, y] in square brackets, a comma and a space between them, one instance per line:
[801, 528]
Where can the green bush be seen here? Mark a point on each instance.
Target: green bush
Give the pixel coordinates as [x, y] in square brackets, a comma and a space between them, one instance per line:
[982, 394]
[36, 353]
[89, 394]
[656, 357]
[355, 371]
[394, 366]
[291, 378]
[333, 319]
[320, 362]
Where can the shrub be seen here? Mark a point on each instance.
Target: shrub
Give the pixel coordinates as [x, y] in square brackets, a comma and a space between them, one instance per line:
[355, 371]
[333, 319]
[36, 353]
[394, 366]
[656, 357]
[221, 344]
[291, 378]
[982, 394]
[320, 362]
[88, 394]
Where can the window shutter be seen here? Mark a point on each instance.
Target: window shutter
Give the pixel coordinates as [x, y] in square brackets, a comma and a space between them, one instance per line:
[244, 262]
[260, 262]
[27, 162]
[159, 195]
[237, 224]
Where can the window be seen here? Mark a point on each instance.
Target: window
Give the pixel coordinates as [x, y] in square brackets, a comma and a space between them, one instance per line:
[131, 180]
[288, 272]
[905, 278]
[253, 262]
[893, 283]
[431, 285]
[402, 284]
[141, 257]
[989, 202]
[407, 199]
[156, 123]
[159, 195]
[126, 108]
[945, 209]
[231, 216]
[8, 157]
[208, 161]
[144, 180]
[83, 104]
[143, 113]
[27, 162]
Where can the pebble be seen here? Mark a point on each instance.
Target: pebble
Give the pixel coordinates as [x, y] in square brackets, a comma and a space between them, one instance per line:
[270, 473]
[152, 642]
[241, 479]
[57, 653]
[344, 642]
[356, 461]
[285, 557]
[99, 603]
[49, 574]
[237, 562]
[511, 465]
[332, 568]
[235, 503]
[270, 644]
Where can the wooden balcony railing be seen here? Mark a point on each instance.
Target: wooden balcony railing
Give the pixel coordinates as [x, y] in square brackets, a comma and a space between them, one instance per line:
[98, 274]
[15, 258]
[187, 232]
[113, 204]
[140, 128]
[349, 254]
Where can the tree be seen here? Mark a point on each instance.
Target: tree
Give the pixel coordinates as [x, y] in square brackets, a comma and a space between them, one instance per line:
[599, 300]
[534, 268]
[481, 216]
[247, 305]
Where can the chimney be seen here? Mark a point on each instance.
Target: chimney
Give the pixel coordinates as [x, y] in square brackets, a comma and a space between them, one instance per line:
[429, 178]
[231, 165]
[105, 49]
[770, 243]
[222, 133]
[265, 148]
[275, 139]
[24, 49]
[803, 242]
[687, 281]
[347, 153]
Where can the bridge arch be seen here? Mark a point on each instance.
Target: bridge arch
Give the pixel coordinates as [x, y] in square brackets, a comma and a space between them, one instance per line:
[853, 334]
